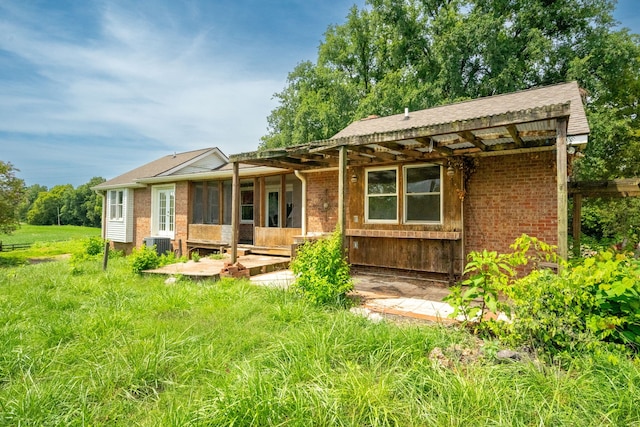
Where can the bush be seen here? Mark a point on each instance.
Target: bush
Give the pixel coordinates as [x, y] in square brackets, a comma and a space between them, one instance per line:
[595, 301]
[144, 258]
[490, 273]
[94, 246]
[322, 271]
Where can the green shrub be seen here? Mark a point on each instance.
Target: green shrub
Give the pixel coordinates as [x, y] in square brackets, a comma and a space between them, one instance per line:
[144, 258]
[548, 314]
[322, 271]
[490, 273]
[94, 245]
[598, 300]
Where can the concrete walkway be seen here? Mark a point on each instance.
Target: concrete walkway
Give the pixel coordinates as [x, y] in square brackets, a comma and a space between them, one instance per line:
[384, 295]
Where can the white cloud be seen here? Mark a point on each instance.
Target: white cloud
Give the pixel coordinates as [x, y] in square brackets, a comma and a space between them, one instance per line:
[141, 78]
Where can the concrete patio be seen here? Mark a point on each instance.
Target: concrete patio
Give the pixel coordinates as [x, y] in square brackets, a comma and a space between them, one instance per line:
[382, 294]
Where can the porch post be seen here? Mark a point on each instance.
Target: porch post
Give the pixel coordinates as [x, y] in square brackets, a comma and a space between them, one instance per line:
[577, 213]
[561, 181]
[235, 210]
[342, 194]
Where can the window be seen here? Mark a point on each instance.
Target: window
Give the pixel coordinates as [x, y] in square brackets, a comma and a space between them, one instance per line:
[246, 202]
[381, 195]
[163, 219]
[422, 194]
[206, 203]
[116, 205]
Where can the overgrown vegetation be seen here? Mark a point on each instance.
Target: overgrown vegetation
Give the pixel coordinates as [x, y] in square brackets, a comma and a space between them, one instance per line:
[147, 258]
[592, 304]
[322, 271]
[116, 348]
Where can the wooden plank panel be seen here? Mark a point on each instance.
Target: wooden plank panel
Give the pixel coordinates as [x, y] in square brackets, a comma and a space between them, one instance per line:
[406, 254]
[204, 232]
[271, 236]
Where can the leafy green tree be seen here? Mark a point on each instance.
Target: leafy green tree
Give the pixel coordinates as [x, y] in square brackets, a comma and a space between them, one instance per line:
[52, 207]
[11, 195]
[31, 194]
[422, 53]
[86, 206]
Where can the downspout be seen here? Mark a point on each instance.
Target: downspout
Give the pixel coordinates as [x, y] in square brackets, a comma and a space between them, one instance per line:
[303, 211]
[103, 218]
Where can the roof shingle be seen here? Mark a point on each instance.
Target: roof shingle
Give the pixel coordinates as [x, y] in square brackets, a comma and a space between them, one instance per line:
[482, 107]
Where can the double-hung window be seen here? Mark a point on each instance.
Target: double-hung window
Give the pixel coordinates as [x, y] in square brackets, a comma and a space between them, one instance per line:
[381, 203]
[116, 205]
[422, 194]
[419, 191]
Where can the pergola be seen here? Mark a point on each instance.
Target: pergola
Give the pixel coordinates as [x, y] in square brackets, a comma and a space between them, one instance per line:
[628, 187]
[404, 138]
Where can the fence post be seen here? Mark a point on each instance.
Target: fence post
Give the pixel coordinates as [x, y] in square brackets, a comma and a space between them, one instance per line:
[105, 257]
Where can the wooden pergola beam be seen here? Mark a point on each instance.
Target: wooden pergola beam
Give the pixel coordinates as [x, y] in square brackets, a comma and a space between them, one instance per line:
[470, 137]
[626, 187]
[513, 131]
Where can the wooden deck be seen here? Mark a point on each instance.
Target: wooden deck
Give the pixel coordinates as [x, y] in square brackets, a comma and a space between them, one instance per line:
[210, 268]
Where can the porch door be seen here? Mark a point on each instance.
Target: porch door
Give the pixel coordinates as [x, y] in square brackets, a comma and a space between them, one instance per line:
[166, 212]
[272, 219]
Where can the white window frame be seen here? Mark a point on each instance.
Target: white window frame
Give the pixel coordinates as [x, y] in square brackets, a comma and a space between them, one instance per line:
[169, 230]
[406, 194]
[116, 210]
[367, 196]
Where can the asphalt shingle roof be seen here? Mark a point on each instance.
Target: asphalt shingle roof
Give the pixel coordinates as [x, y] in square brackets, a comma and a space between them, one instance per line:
[481, 107]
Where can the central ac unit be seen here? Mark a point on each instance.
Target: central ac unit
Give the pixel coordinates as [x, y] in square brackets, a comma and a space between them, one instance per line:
[162, 244]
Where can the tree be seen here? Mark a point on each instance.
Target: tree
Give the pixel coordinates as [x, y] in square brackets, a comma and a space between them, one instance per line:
[419, 54]
[88, 204]
[423, 53]
[11, 195]
[52, 207]
[31, 194]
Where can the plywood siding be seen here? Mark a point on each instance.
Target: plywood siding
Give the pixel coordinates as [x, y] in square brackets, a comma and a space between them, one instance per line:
[435, 248]
[269, 236]
[436, 256]
[205, 232]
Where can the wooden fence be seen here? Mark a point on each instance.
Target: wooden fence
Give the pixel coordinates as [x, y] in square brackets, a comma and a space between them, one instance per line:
[14, 246]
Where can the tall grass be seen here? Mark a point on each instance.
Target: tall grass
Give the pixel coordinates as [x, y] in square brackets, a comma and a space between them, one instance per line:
[113, 348]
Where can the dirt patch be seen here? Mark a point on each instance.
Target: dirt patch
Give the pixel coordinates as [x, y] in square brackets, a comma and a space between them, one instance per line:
[41, 260]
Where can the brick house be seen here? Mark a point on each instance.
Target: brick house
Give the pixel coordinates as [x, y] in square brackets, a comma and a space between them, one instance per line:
[182, 202]
[416, 192]
[412, 193]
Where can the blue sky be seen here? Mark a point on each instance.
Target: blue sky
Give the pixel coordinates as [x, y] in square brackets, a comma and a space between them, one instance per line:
[98, 87]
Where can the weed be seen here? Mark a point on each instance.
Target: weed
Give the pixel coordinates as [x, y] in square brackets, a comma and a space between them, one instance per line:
[322, 271]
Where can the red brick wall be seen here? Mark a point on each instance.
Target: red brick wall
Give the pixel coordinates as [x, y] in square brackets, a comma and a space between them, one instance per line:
[182, 215]
[322, 188]
[141, 215]
[510, 195]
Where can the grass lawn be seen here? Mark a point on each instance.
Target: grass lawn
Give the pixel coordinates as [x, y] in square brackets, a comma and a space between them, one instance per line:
[79, 346]
[46, 240]
[48, 233]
